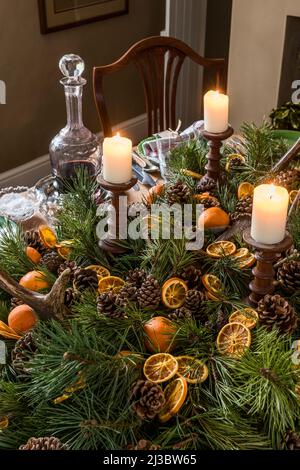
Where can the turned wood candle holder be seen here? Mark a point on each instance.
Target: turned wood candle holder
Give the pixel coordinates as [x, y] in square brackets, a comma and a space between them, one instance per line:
[213, 172]
[264, 274]
[111, 243]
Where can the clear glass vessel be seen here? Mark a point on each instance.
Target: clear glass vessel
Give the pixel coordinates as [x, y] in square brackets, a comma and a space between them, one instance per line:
[74, 146]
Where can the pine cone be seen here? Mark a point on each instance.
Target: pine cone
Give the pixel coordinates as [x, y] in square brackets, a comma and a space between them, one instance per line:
[149, 294]
[143, 444]
[234, 163]
[71, 296]
[51, 261]
[207, 185]
[192, 276]
[68, 265]
[32, 238]
[178, 193]
[147, 398]
[128, 293]
[136, 277]
[243, 208]
[106, 305]
[288, 178]
[43, 443]
[193, 301]
[85, 279]
[180, 314]
[288, 276]
[274, 310]
[209, 201]
[21, 353]
[292, 440]
[221, 320]
[15, 302]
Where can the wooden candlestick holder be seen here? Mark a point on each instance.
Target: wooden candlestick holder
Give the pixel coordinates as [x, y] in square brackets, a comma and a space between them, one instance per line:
[214, 156]
[111, 243]
[264, 274]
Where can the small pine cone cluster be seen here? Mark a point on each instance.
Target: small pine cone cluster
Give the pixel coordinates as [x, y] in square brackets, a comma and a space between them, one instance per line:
[68, 265]
[52, 261]
[192, 276]
[181, 313]
[235, 163]
[147, 398]
[71, 296]
[43, 443]
[32, 238]
[149, 294]
[207, 185]
[193, 301]
[106, 305]
[288, 276]
[21, 352]
[292, 440]
[243, 208]
[275, 311]
[136, 277]
[209, 201]
[143, 444]
[85, 279]
[287, 178]
[128, 293]
[178, 193]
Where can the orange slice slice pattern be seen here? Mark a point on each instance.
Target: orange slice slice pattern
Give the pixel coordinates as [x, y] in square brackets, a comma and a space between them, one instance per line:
[175, 395]
[234, 339]
[160, 367]
[173, 292]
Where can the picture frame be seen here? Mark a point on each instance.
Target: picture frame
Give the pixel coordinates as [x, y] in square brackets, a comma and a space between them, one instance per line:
[56, 15]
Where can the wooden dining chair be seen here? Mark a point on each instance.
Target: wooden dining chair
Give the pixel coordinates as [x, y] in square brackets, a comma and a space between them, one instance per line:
[158, 60]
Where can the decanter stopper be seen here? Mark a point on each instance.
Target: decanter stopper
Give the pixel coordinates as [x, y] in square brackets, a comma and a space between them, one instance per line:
[72, 67]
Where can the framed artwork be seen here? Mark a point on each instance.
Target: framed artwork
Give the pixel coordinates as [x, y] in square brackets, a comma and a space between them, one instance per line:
[62, 14]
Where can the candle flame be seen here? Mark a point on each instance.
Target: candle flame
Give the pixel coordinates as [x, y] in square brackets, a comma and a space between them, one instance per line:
[117, 136]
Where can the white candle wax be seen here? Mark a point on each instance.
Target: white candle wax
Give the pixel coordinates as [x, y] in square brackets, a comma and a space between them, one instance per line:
[117, 159]
[269, 214]
[215, 112]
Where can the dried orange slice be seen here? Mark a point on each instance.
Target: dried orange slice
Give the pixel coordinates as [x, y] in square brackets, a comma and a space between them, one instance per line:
[245, 189]
[233, 339]
[192, 174]
[234, 156]
[47, 236]
[100, 270]
[175, 395]
[293, 194]
[220, 249]
[64, 248]
[8, 332]
[247, 262]
[173, 292]
[4, 422]
[191, 369]
[213, 285]
[247, 316]
[240, 253]
[110, 283]
[160, 367]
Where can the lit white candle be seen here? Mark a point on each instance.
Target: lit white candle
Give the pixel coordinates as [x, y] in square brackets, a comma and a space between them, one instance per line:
[269, 214]
[215, 112]
[117, 159]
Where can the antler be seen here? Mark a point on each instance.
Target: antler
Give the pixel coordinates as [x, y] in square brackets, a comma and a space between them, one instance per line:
[47, 306]
[290, 155]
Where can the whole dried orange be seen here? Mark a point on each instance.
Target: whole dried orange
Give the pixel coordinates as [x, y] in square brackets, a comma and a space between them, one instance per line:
[22, 318]
[214, 217]
[33, 254]
[234, 339]
[221, 249]
[160, 332]
[247, 316]
[173, 292]
[34, 280]
[175, 395]
[47, 236]
[160, 367]
[192, 369]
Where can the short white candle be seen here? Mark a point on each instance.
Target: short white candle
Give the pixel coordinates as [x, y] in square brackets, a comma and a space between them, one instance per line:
[215, 112]
[269, 214]
[117, 159]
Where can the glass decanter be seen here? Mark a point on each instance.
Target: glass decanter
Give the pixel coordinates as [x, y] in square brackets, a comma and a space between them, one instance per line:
[74, 146]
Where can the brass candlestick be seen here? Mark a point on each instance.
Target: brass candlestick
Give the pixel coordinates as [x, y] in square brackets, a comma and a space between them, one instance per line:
[111, 243]
[264, 274]
[213, 173]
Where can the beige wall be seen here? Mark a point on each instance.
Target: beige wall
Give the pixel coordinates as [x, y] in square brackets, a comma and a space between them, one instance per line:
[35, 108]
[256, 46]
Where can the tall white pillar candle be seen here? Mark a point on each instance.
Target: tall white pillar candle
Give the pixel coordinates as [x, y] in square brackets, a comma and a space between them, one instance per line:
[117, 159]
[269, 214]
[215, 112]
